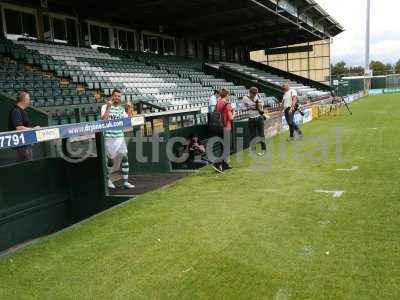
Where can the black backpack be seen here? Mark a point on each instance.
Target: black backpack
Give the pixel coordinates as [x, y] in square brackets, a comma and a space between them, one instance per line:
[216, 121]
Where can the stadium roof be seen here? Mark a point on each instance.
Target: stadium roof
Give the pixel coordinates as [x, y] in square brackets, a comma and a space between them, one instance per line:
[258, 24]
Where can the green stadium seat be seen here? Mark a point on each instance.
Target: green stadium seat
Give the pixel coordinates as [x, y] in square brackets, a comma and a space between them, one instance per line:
[67, 100]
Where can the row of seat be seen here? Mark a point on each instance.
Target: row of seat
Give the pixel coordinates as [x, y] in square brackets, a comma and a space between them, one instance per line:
[63, 116]
[40, 100]
[45, 90]
[304, 92]
[61, 52]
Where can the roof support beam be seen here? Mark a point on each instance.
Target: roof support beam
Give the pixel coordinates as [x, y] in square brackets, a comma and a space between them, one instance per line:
[282, 43]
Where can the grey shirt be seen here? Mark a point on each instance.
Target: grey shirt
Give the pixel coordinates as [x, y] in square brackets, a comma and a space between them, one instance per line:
[251, 107]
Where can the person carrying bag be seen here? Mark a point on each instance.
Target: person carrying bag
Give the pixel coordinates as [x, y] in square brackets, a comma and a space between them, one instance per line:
[255, 108]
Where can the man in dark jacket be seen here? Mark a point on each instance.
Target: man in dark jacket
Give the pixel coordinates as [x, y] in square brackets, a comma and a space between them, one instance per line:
[18, 120]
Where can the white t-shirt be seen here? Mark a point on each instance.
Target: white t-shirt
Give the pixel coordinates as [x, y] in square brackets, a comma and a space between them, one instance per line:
[288, 97]
[212, 101]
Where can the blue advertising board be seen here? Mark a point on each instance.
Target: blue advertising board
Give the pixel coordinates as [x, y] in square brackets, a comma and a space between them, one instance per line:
[15, 139]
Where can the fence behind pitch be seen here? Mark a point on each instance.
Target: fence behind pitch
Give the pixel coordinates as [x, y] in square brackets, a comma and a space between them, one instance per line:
[393, 81]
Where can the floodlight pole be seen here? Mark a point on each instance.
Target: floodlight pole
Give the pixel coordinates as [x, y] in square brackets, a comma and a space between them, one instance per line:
[367, 80]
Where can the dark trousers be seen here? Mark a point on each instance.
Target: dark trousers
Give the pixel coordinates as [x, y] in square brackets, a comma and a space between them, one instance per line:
[256, 126]
[290, 120]
[196, 164]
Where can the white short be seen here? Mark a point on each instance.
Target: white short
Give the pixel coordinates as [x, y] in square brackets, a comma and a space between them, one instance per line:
[115, 147]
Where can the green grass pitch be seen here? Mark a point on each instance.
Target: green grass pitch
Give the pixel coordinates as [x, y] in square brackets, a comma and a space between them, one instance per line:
[259, 231]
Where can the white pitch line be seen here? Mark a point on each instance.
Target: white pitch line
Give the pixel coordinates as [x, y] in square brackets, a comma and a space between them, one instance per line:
[354, 168]
[187, 270]
[374, 128]
[335, 194]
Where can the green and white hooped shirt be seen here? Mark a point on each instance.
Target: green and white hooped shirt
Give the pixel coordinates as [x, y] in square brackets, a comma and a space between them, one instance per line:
[116, 112]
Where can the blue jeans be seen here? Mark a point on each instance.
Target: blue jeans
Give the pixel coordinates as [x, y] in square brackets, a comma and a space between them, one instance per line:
[290, 120]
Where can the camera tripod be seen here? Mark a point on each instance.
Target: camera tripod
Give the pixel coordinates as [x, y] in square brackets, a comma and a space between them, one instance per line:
[341, 100]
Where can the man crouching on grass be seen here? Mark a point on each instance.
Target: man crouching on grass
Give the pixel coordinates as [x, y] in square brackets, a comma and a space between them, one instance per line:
[115, 139]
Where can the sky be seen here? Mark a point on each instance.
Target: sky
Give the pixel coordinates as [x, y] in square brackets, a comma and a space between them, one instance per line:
[385, 30]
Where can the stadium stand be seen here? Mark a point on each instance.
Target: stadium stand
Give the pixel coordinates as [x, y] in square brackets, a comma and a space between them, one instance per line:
[305, 92]
[189, 70]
